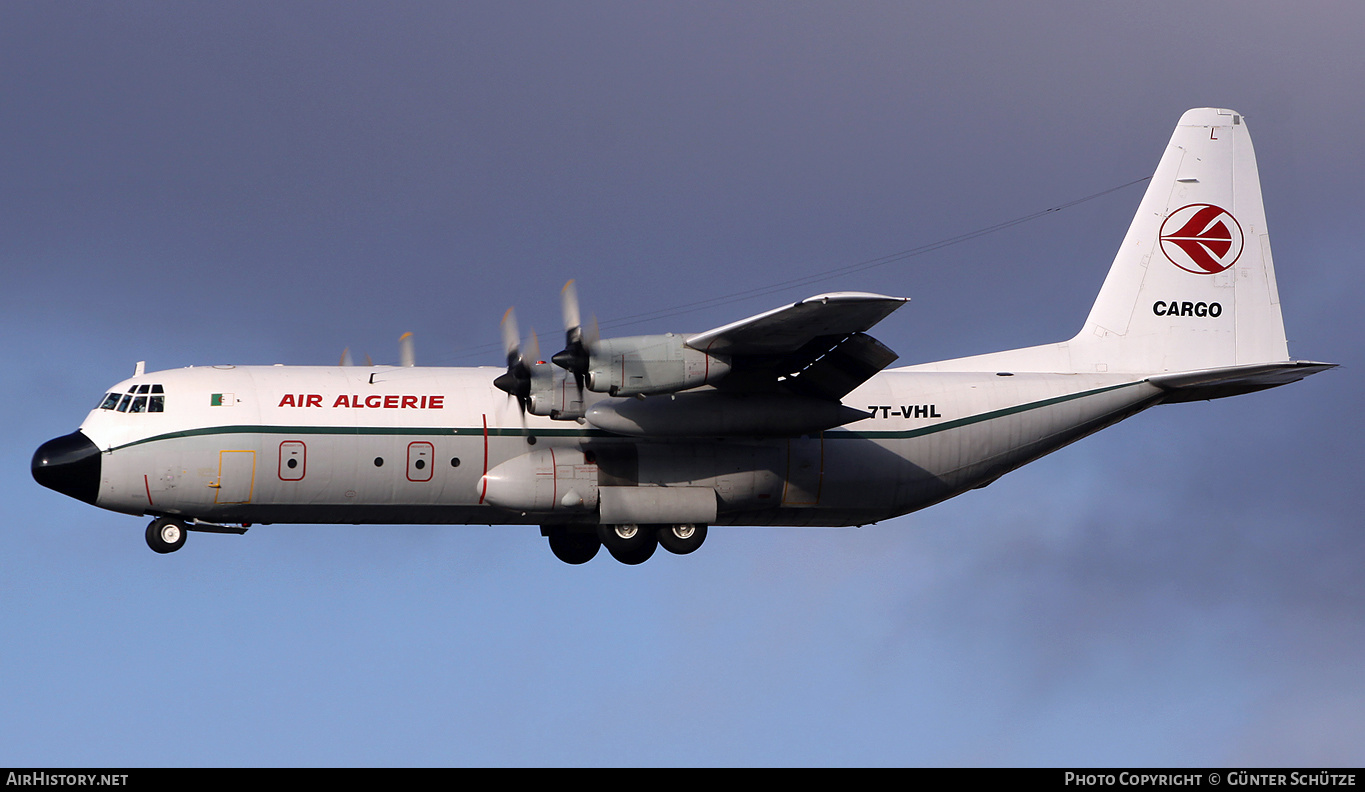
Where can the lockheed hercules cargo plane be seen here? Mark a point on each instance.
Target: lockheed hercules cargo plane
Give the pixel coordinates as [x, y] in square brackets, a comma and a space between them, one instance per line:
[789, 417]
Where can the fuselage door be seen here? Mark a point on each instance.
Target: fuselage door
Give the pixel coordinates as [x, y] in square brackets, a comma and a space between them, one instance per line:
[293, 460]
[236, 472]
[420, 455]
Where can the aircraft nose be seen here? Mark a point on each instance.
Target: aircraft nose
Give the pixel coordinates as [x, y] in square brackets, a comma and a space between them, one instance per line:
[69, 464]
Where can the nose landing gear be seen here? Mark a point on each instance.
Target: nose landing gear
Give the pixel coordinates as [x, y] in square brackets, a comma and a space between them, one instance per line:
[166, 535]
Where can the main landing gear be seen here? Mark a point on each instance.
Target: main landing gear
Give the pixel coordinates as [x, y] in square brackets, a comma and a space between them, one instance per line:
[628, 543]
[572, 544]
[682, 538]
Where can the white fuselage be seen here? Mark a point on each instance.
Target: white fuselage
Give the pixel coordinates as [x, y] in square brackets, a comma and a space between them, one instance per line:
[728, 431]
[266, 444]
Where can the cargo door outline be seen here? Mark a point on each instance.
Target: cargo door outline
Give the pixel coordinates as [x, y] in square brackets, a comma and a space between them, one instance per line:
[236, 476]
[421, 454]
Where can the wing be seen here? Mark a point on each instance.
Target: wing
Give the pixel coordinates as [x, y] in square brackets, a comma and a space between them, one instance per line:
[780, 373]
[816, 347]
[791, 327]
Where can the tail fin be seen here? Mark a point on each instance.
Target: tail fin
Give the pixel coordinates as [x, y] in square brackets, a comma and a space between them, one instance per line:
[1193, 285]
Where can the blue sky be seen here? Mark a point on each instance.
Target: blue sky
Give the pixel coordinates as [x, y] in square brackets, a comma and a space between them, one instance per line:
[197, 183]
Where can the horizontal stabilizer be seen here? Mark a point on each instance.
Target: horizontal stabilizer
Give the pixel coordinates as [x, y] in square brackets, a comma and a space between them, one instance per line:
[1234, 380]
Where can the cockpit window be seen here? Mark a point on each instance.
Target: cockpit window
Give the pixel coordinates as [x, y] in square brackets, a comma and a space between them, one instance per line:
[134, 401]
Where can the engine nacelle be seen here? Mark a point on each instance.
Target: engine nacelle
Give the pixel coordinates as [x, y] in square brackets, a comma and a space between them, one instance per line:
[554, 393]
[548, 480]
[651, 364]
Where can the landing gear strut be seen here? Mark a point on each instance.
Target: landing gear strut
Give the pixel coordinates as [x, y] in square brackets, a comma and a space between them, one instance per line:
[165, 535]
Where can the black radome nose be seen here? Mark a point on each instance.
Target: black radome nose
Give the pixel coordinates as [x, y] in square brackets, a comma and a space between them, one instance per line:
[70, 465]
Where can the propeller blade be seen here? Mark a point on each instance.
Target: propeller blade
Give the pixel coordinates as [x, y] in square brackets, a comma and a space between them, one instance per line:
[533, 347]
[346, 357]
[575, 354]
[591, 334]
[568, 303]
[511, 338]
[406, 356]
[516, 381]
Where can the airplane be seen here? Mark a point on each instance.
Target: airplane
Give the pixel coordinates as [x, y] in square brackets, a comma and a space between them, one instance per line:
[790, 417]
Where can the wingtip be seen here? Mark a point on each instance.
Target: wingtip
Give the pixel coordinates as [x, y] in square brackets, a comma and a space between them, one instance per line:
[853, 296]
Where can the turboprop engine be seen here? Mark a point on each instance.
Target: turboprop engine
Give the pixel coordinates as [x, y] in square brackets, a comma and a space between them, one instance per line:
[627, 366]
[540, 388]
[631, 365]
[643, 365]
[554, 393]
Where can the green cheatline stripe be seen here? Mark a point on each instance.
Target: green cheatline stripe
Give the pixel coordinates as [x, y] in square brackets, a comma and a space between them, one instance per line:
[989, 416]
[477, 431]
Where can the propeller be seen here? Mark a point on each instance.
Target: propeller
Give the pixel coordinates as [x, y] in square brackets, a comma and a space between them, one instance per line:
[347, 360]
[406, 355]
[516, 381]
[578, 343]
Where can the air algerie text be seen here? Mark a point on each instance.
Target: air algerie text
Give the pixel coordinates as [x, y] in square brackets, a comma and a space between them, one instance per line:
[372, 401]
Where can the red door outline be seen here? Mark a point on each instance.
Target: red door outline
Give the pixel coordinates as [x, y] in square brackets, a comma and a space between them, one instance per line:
[421, 455]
